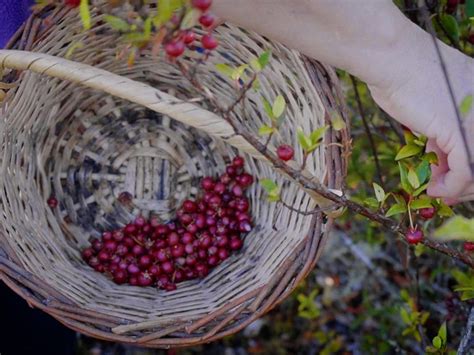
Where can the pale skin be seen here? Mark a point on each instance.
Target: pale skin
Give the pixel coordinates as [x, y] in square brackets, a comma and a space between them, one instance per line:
[374, 41]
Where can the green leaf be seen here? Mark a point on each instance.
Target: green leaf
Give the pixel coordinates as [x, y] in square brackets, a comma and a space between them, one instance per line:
[423, 171]
[408, 151]
[413, 178]
[72, 48]
[337, 122]
[404, 178]
[303, 140]
[379, 192]
[466, 105]
[444, 210]
[419, 249]
[424, 202]
[268, 184]
[255, 64]
[265, 130]
[456, 228]
[117, 23]
[421, 189]
[147, 28]
[268, 108]
[437, 342]
[239, 71]
[318, 134]
[451, 26]
[189, 20]
[396, 209]
[469, 8]
[371, 202]
[264, 59]
[85, 14]
[278, 106]
[404, 314]
[165, 11]
[225, 69]
[430, 157]
[443, 333]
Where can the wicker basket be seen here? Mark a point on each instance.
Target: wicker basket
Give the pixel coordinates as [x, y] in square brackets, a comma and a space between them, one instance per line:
[89, 129]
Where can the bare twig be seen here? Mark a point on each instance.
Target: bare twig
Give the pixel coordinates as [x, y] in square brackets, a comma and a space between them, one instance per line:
[467, 341]
[243, 92]
[311, 184]
[312, 212]
[367, 131]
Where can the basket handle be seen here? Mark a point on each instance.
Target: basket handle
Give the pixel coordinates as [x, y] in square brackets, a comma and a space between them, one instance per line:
[136, 92]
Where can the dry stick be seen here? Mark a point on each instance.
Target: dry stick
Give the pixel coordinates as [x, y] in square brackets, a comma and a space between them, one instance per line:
[312, 212]
[367, 130]
[467, 341]
[429, 26]
[309, 183]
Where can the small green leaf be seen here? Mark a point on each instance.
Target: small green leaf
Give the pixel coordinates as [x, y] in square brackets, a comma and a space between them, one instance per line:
[466, 105]
[256, 84]
[404, 315]
[268, 184]
[379, 192]
[421, 189]
[318, 134]
[264, 59]
[72, 48]
[437, 342]
[225, 69]
[147, 28]
[431, 158]
[371, 202]
[413, 178]
[85, 14]
[444, 210]
[239, 71]
[337, 122]
[396, 209]
[423, 171]
[456, 228]
[265, 130]
[268, 108]
[255, 64]
[404, 178]
[424, 202]
[419, 249]
[278, 106]
[451, 26]
[408, 151]
[117, 23]
[443, 333]
[190, 19]
[469, 8]
[303, 140]
[165, 11]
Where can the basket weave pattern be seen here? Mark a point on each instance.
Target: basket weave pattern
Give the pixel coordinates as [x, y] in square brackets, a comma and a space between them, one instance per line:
[89, 130]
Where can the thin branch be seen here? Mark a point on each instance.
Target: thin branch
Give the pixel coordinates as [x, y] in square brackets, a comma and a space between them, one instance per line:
[311, 184]
[429, 26]
[367, 130]
[243, 92]
[309, 213]
[467, 339]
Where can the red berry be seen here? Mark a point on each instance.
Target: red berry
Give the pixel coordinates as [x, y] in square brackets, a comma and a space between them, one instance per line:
[206, 20]
[175, 49]
[414, 236]
[237, 190]
[73, 3]
[202, 270]
[470, 39]
[238, 162]
[130, 229]
[120, 276]
[469, 246]
[223, 254]
[103, 256]
[427, 213]
[52, 202]
[207, 183]
[173, 239]
[189, 206]
[236, 243]
[106, 236]
[154, 270]
[219, 188]
[245, 226]
[139, 221]
[189, 37]
[170, 287]
[87, 253]
[110, 246]
[177, 251]
[138, 250]
[202, 5]
[167, 267]
[209, 42]
[133, 269]
[246, 180]
[145, 261]
[118, 235]
[145, 279]
[121, 250]
[285, 152]
[213, 260]
[133, 281]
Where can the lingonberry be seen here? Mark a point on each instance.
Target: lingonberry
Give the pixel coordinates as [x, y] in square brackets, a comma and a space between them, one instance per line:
[414, 236]
[87, 253]
[285, 152]
[177, 251]
[245, 180]
[145, 279]
[120, 276]
[175, 49]
[118, 235]
[106, 236]
[202, 5]
[154, 270]
[427, 213]
[209, 42]
[173, 238]
[103, 256]
[167, 267]
[139, 221]
[133, 269]
[213, 260]
[145, 261]
[469, 246]
[130, 229]
[207, 183]
[138, 250]
[110, 246]
[237, 191]
[202, 270]
[206, 20]
[245, 226]
[189, 37]
[133, 281]
[236, 243]
[238, 162]
[52, 202]
[189, 206]
[223, 254]
[73, 3]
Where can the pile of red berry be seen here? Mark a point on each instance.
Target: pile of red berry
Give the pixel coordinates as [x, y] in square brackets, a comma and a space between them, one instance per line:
[204, 233]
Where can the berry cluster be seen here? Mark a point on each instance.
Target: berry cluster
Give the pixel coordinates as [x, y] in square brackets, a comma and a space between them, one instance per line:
[204, 233]
[182, 39]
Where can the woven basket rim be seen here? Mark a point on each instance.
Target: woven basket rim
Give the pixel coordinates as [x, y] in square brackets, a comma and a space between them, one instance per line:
[39, 294]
